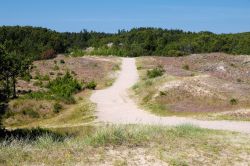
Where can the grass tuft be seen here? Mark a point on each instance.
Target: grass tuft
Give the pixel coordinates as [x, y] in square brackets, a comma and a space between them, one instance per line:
[117, 135]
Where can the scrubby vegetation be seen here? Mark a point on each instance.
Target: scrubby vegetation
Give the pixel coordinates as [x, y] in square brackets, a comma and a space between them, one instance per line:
[57, 107]
[91, 85]
[156, 72]
[62, 88]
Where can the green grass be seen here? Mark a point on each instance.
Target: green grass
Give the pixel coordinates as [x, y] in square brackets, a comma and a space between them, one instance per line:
[181, 145]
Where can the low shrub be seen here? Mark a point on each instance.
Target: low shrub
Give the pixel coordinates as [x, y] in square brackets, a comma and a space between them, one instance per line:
[65, 86]
[156, 72]
[91, 85]
[62, 88]
[57, 107]
[162, 93]
[234, 101]
[62, 61]
[185, 67]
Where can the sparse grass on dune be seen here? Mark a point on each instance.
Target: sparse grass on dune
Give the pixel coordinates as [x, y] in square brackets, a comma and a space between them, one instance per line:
[179, 145]
[192, 91]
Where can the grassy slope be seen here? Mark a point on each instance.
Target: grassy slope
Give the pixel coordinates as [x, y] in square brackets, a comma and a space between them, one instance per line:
[131, 145]
[80, 113]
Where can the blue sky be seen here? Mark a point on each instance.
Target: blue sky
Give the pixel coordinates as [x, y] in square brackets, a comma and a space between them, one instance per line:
[219, 16]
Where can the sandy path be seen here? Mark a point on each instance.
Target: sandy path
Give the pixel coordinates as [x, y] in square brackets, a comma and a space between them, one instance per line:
[115, 106]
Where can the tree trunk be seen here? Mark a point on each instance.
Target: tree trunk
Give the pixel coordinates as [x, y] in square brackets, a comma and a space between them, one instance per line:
[14, 86]
[7, 87]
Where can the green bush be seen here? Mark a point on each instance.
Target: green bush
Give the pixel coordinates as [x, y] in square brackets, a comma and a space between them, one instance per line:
[91, 85]
[185, 67]
[62, 88]
[62, 61]
[234, 101]
[162, 93]
[239, 80]
[156, 72]
[57, 107]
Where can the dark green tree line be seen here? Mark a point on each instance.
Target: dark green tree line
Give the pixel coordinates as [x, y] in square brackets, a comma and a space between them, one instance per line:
[42, 43]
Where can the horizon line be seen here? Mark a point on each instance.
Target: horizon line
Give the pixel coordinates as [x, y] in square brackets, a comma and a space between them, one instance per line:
[125, 29]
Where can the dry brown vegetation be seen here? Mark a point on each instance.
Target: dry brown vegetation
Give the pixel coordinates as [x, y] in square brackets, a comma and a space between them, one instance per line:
[198, 84]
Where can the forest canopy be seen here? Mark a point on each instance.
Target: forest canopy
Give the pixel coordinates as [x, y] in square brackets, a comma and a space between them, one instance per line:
[41, 43]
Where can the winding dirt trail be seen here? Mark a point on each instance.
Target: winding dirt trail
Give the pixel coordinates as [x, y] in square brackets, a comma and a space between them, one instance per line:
[115, 106]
